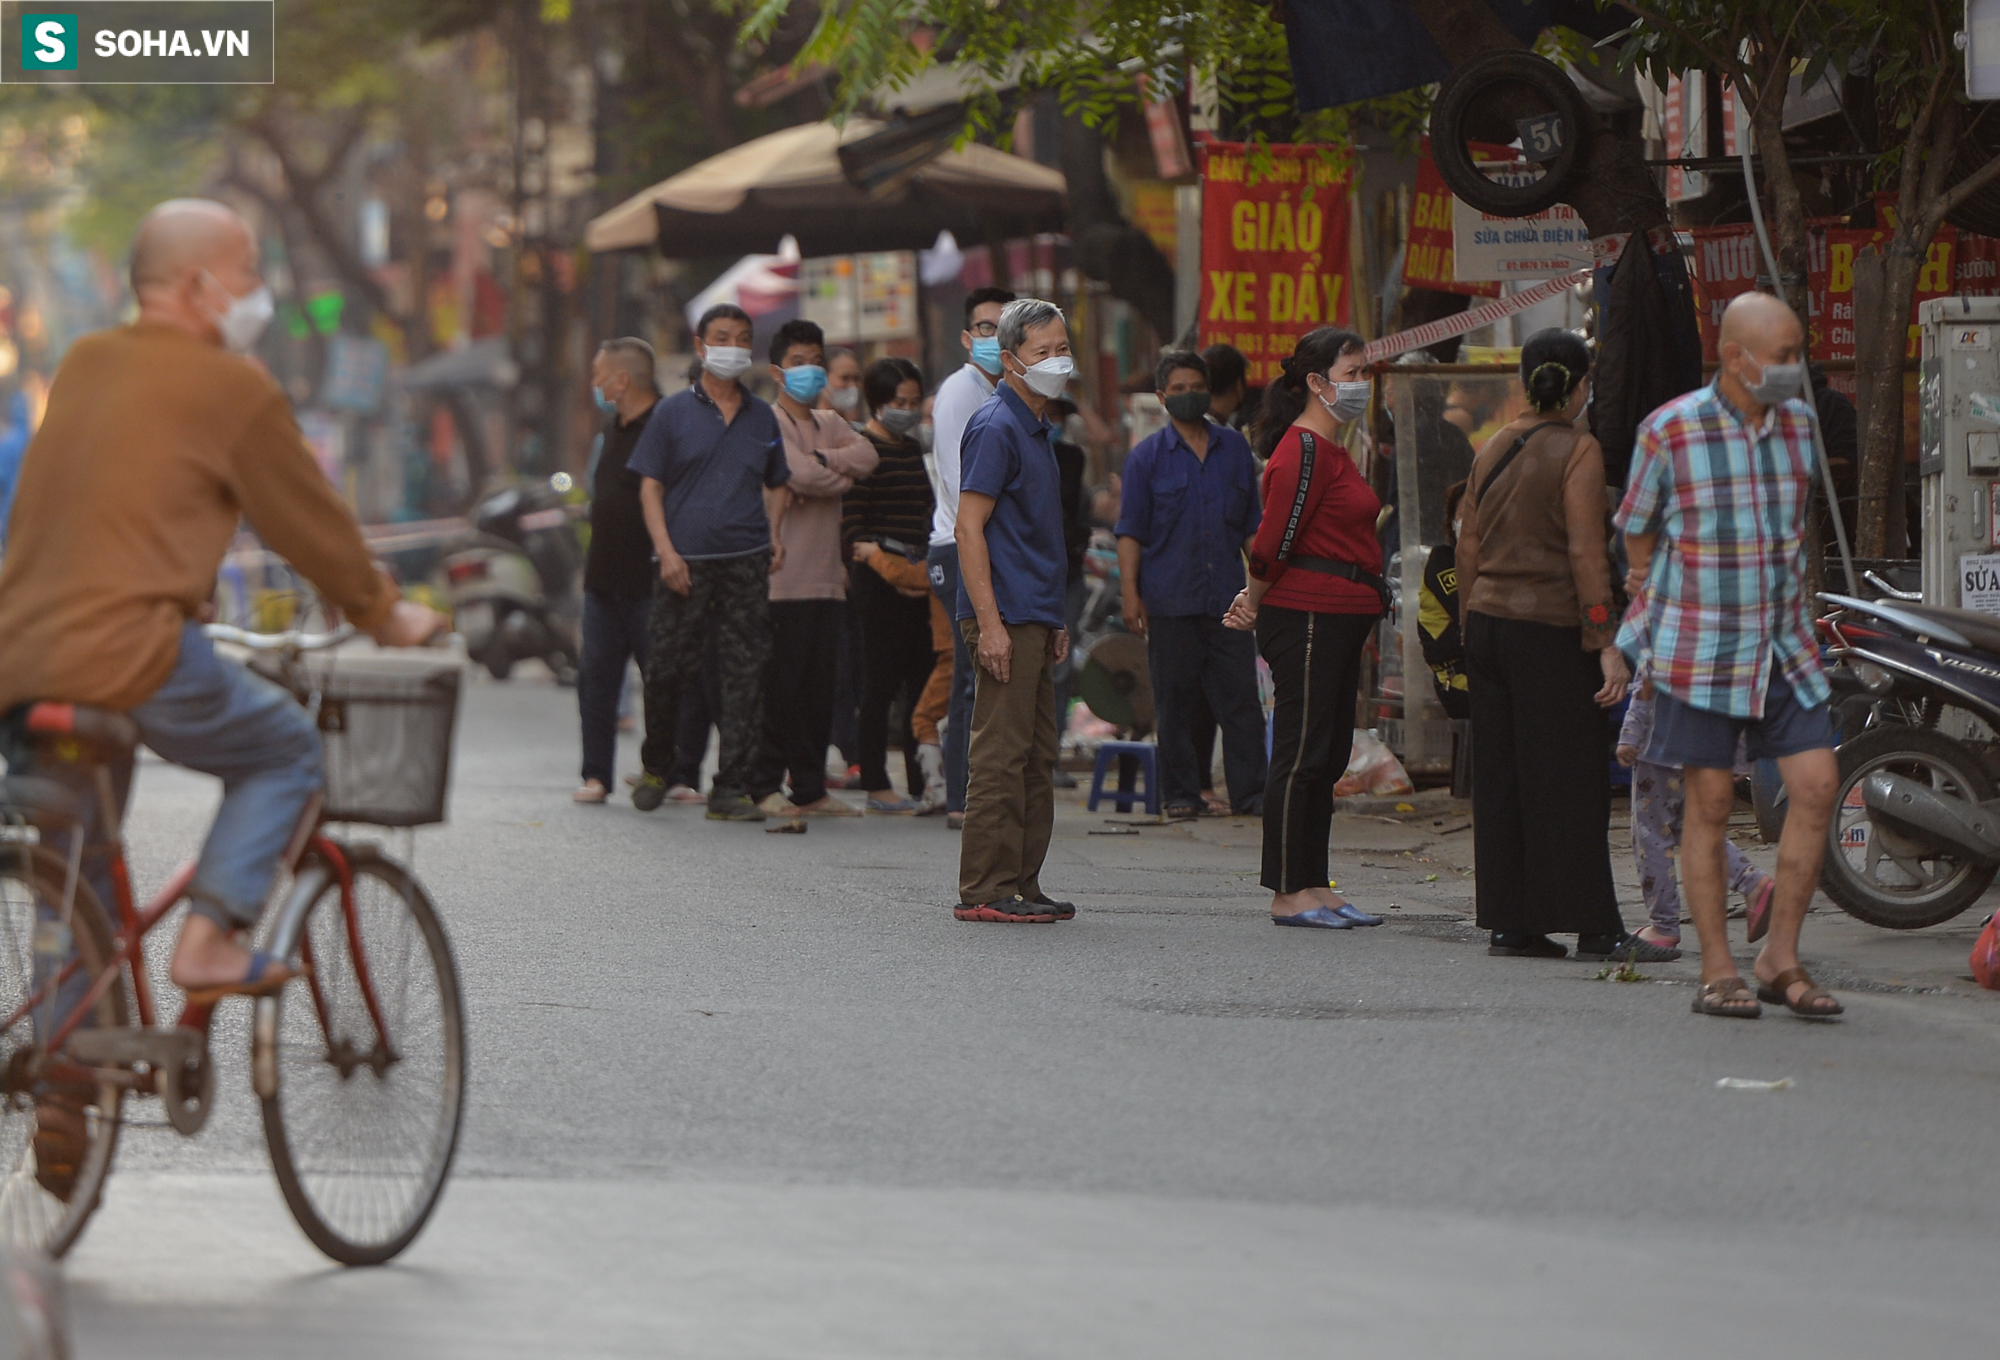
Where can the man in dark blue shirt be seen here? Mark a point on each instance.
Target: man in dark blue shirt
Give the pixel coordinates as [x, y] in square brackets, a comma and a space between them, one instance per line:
[713, 494]
[1010, 609]
[1189, 512]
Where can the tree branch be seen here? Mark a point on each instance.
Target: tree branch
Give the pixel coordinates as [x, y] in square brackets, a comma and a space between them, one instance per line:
[1724, 62]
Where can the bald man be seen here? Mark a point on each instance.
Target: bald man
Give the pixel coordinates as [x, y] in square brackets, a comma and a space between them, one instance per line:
[158, 438]
[1715, 516]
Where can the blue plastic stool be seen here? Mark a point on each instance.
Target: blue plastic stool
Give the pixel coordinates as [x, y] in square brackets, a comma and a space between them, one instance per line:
[1148, 757]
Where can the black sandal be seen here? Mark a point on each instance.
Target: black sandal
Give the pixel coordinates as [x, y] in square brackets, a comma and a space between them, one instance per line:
[1726, 997]
[1778, 992]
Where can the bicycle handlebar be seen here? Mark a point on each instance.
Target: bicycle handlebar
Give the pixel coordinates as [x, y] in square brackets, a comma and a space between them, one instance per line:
[291, 640]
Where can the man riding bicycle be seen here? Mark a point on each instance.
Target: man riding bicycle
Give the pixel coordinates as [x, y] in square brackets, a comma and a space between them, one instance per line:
[157, 439]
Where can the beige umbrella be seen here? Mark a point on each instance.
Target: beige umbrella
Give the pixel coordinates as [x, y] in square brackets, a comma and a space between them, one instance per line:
[791, 183]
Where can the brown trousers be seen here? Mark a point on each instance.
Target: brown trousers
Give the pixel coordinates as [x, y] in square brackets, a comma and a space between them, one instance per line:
[1010, 801]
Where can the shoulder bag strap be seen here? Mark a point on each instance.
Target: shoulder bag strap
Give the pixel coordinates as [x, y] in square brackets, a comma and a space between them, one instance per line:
[1508, 457]
[1307, 450]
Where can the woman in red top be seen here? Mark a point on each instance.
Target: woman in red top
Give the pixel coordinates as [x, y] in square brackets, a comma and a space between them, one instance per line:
[1314, 595]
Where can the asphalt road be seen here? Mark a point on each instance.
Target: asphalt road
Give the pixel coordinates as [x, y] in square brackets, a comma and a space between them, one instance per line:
[744, 1095]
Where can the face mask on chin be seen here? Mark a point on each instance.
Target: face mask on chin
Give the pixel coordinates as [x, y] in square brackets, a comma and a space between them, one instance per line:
[1050, 376]
[1778, 383]
[246, 317]
[726, 361]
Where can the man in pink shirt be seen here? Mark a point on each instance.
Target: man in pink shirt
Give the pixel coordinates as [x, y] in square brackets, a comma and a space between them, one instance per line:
[809, 592]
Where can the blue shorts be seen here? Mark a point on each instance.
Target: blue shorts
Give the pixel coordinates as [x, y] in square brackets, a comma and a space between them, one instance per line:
[1684, 735]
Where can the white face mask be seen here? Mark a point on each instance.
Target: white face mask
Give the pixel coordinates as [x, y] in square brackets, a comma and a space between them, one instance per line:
[726, 361]
[844, 398]
[1049, 377]
[1350, 400]
[246, 318]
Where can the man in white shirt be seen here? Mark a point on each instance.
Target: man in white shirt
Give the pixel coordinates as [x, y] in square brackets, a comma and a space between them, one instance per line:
[957, 398]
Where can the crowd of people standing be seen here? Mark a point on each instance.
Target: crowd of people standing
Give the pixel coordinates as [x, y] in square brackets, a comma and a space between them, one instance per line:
[734, 537]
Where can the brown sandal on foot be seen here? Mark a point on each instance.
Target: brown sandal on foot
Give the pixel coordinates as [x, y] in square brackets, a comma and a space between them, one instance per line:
[1726, 997]
[1814, 1003]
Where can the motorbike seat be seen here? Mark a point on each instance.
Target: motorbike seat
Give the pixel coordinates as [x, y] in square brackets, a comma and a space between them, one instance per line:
[1981, 630]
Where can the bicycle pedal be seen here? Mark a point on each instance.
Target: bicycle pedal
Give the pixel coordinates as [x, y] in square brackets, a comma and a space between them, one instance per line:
[125, 1047]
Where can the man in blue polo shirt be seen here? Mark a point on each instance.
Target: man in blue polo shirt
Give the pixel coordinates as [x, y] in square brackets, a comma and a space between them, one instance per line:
[1190, 510]
[1010, 609]
[713, 469]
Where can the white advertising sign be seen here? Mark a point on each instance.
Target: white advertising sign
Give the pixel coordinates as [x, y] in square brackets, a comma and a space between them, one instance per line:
[1549, 244]
[1979, 582]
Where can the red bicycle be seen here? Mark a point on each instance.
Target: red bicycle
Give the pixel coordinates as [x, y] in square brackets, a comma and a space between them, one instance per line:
[359, 1064]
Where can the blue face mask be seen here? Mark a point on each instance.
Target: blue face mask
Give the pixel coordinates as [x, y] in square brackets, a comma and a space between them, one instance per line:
[986, 353]
[604, 403]
[805, 382]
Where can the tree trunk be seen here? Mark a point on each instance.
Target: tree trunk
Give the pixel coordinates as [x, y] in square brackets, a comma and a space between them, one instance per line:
[1788, 217]
[1878, 373]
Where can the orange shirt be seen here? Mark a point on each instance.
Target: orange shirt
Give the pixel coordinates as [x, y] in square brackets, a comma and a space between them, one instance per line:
[153, 447]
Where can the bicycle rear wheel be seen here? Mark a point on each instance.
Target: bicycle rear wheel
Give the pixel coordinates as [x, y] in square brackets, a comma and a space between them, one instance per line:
[32, 1216]
[370, 1063]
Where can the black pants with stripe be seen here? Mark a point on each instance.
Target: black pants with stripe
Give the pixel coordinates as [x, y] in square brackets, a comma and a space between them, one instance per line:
[1315, 662]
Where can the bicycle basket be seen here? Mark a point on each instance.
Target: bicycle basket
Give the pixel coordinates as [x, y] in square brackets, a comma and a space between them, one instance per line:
[386, 726]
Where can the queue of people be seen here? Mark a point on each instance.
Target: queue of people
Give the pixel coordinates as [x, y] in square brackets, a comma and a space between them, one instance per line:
[753, 525]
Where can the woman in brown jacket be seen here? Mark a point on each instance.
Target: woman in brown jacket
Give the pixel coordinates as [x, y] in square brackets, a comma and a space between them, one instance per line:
[1534, 581]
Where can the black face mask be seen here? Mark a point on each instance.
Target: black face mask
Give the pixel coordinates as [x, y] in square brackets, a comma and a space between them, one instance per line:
[1186, 406]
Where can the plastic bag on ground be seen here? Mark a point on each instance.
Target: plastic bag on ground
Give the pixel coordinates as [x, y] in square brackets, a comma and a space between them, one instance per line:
[1986, 955]
[1372, 768]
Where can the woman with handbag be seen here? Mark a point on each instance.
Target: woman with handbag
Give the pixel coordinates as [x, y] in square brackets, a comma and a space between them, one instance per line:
[1534, 580]
[1314, 595]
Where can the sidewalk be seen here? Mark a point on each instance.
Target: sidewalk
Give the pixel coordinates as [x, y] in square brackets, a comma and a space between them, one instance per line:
[1411, 859]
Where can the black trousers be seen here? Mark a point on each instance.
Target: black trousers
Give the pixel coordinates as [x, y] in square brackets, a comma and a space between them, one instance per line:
[896, 659]
[728, 599]
[1202, 670]
[1315, 662]
[798, 698]
[1541, 783]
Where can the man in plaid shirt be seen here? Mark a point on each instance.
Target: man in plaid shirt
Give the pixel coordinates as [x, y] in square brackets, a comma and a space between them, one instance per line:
[1715, 517]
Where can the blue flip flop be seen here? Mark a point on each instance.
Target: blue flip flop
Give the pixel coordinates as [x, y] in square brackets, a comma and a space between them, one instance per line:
[1356, 915]
[1319, 918]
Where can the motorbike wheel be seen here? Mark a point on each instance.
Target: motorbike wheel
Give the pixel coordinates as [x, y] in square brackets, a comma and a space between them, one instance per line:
[1882, 874]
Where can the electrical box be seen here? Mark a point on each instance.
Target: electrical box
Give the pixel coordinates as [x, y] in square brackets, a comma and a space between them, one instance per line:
[1959, 462]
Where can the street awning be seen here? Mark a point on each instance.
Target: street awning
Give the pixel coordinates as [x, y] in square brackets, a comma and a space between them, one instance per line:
[791, 183]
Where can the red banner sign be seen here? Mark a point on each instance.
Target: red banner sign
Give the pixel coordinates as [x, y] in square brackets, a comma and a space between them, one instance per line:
[1274, 249]
[1427, 260]
[1727, 261]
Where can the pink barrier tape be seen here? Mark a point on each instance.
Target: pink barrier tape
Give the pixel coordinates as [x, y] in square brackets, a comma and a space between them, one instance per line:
[1389, 346]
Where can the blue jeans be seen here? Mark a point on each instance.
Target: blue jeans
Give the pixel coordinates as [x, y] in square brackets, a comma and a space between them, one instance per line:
[614, 633]
[1195, 660]
[958, 718]
[214, 716]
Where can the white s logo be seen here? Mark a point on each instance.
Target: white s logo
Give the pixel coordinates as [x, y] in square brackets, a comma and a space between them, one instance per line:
[49, 42]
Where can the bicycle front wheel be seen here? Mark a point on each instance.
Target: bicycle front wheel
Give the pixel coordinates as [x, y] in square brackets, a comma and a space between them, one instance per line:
[370, 1062]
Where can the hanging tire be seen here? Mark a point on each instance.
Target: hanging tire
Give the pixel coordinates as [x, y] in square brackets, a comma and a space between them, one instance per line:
[1883, 875]
[1486, 100]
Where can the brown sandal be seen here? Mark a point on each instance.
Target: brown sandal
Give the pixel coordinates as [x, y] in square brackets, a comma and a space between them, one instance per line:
[1726, 997]
[1778, 992]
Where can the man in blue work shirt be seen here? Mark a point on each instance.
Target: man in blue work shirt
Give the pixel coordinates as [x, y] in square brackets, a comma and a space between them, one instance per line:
[1190, 510]
[713, 494]
[1010, 611]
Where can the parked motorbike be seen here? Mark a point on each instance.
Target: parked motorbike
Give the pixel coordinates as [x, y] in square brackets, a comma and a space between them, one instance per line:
[515, 585]
[1915, 837]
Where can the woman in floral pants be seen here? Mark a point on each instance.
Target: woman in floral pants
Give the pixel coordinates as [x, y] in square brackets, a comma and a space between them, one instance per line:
[1657, 803]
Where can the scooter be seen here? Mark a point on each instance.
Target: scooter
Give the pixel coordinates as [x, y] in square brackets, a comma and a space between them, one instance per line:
[1915, 838]
[514, 586]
